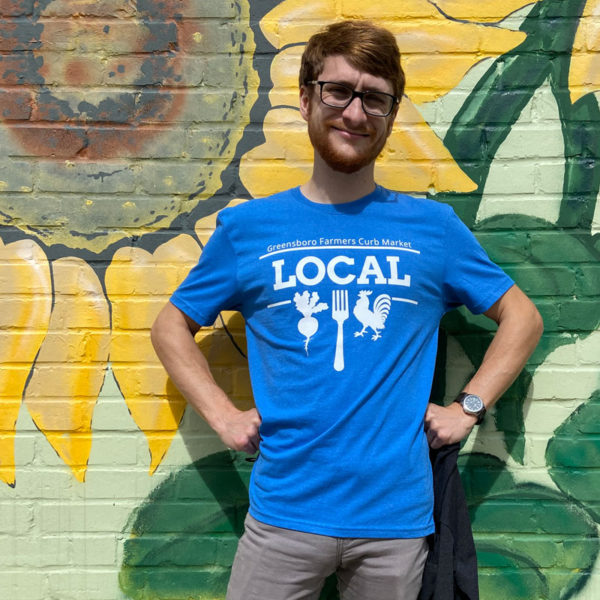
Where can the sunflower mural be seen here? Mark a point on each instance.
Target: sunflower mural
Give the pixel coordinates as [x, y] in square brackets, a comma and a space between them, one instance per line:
[126, 127]
[92, 97]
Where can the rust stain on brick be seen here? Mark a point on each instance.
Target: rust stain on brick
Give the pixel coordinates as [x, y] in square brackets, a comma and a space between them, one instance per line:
[102, 123]
[76, 73]
[88, 83]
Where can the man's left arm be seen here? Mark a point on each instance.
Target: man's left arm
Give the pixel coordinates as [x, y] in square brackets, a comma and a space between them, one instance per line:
[520, 327]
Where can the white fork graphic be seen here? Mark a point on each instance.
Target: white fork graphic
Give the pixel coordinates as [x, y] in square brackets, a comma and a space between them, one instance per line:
[339, 313]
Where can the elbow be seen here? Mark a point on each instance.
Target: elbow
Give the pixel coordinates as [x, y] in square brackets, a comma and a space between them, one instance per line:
[161, 328]
[532, 323]
[537, 324]
[171, 324]
[156, 331]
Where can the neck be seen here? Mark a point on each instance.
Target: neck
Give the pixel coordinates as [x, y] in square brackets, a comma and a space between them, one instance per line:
[327, 186]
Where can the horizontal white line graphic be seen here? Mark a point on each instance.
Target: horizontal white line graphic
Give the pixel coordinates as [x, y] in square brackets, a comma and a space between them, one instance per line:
[405, 300]
[279, 304]
[312, 248]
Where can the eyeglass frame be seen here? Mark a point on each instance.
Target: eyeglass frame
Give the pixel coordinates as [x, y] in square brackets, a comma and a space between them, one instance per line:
[355, 94]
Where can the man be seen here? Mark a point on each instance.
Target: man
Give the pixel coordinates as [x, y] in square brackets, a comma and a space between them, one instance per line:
[342, 285]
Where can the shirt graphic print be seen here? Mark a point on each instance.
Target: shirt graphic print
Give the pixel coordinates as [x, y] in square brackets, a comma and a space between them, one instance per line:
[333, 276]
[342, 305]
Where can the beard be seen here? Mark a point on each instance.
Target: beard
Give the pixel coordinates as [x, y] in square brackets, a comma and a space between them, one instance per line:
[336, 158]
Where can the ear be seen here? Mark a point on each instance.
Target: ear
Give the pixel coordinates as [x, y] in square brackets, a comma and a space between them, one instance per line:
[305, 93]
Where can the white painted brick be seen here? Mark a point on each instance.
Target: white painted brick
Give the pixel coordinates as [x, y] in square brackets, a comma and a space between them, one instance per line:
[528, 141]
[510, 177]
[542, 417]
[90, 516]
[91, 584]
[23, 584]
[115, 448]
[112, 483]
[568, 356]
[588, 350]
[496, 202]
[16, 517]
[550, 175]
[564, 383]
[24, 449]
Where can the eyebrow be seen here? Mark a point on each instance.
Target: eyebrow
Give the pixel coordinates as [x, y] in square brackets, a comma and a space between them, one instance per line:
[351, 85]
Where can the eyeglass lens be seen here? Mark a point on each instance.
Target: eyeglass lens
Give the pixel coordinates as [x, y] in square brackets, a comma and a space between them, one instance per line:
[339, 96]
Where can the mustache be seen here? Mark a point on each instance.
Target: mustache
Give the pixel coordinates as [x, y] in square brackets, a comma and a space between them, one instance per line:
[352, 131]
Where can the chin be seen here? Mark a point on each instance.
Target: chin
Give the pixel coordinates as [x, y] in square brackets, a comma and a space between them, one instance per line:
[343, 162]
[346, 166]
[348, 162]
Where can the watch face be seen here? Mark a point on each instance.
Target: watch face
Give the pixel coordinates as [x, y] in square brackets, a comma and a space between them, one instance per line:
[472, 403]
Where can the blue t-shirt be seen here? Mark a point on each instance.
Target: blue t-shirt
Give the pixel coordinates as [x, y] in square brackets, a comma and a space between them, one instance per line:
[342, 305]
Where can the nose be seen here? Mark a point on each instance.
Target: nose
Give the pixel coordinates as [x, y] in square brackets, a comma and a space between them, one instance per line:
[354, 111]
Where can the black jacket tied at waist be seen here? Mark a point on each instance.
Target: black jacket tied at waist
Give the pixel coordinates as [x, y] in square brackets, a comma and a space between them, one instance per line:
[451, 567]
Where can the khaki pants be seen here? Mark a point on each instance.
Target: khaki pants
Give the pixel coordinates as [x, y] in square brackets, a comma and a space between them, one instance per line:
[281, 564]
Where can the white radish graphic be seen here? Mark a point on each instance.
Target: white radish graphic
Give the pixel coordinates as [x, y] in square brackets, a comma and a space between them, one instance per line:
[308, 304]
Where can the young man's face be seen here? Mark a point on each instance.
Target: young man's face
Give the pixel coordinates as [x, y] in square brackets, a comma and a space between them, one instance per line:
[347, 139]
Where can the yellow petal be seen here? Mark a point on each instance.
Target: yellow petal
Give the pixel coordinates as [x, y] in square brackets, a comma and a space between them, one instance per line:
[285, 158]
[25, 303]
[138, 285]
[205, 226]
[436, 51]
[591, 9]
[69, 369]
[416, 160]
[481, 11]
[294, 21]
[437, 54]
[584, 73]
[284, 74]
[228, 366]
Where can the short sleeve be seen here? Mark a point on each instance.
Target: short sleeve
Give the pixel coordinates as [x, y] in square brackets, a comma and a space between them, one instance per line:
[470, 277]
[212, 285]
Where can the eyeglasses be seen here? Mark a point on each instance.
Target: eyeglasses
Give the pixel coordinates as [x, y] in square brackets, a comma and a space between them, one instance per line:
[338, 95]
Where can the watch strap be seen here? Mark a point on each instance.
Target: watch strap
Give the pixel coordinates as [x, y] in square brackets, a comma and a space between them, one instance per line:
[479, 414]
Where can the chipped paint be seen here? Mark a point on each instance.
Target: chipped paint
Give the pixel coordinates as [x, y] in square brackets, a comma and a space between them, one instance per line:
[103, 174]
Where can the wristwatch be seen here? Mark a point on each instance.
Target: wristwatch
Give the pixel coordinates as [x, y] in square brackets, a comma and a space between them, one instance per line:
[472, 405]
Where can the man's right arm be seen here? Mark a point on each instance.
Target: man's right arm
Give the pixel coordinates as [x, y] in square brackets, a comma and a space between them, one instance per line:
[173, 340]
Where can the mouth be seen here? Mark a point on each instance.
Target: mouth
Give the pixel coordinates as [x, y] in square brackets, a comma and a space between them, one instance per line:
[350, 134]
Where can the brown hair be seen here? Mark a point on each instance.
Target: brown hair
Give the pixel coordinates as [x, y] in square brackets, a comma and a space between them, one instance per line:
[365, 46]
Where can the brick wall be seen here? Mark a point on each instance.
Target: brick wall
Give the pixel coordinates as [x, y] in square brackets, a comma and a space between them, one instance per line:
[126, 126]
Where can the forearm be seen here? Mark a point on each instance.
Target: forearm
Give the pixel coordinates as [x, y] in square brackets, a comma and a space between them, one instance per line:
[519, 329]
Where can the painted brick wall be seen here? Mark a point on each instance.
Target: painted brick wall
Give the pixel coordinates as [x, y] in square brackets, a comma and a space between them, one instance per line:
[125, 126]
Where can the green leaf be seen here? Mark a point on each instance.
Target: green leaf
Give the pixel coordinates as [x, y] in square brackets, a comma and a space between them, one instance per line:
[512, 576]
[184, 536]
[573, 455]
[489, 113]
[532, 542]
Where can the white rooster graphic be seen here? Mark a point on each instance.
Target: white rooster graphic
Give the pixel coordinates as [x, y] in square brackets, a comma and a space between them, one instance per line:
[375, 319]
